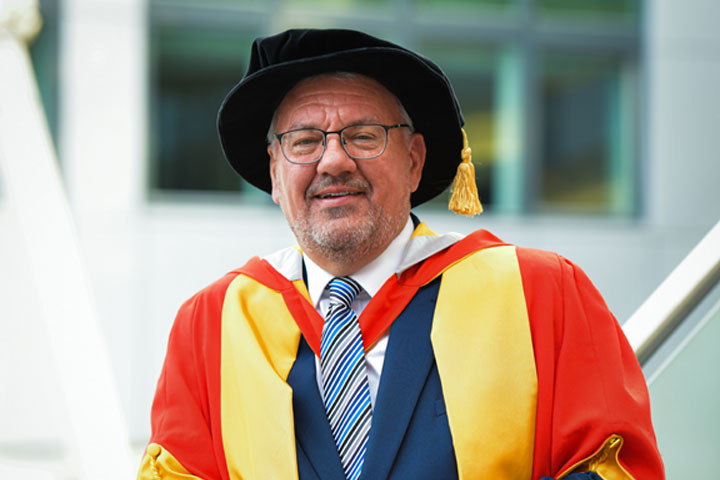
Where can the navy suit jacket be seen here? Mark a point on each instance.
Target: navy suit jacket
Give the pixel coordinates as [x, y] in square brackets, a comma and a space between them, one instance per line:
[410, 436]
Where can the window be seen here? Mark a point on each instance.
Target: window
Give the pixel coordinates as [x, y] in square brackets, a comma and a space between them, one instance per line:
[547, 87]
[194, 63]
[584, 145]
[472, 71]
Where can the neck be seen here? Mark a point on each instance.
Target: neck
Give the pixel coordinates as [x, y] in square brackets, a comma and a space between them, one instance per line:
[346, 261]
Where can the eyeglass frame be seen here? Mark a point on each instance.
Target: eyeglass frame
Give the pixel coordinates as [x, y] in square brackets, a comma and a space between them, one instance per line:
[387, 128]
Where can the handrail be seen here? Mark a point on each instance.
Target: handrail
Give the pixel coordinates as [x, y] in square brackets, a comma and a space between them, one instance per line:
[666, 308]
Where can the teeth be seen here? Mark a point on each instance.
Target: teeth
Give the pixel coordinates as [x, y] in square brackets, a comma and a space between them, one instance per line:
[338, 194]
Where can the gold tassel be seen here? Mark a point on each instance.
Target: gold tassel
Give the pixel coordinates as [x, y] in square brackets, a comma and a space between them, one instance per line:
[464, 199]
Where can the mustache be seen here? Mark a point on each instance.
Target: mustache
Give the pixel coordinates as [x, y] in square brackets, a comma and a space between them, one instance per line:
[356, 183]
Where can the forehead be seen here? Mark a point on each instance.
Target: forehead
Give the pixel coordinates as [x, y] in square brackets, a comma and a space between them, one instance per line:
[347, 98]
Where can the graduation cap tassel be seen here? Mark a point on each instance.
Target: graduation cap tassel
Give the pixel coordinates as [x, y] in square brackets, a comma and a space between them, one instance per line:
[464, 199]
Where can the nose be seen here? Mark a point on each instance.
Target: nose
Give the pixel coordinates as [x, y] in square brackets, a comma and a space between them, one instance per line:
[335, 160]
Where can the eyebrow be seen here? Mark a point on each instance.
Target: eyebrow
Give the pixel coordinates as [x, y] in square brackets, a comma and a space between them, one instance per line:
[362, 120]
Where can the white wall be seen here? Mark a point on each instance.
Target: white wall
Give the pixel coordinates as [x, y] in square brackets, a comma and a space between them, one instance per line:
[684, 112]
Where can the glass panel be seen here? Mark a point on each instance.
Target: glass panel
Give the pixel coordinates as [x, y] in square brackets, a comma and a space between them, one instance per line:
[464, 5]
[684, 397]
[591, 9]
[471, 70]
[467, 3]
[201, 3]
[586, 133]
[480, 9]
[193, 69]
[508, 191]
[332, 13]
[340, 4]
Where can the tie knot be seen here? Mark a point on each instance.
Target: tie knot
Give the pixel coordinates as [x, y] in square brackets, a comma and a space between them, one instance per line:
[343, 290]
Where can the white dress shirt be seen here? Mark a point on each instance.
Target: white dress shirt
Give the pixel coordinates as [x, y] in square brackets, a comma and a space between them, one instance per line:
[371, 277]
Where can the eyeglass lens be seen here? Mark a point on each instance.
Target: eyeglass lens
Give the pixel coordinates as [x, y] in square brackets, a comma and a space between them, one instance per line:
[359, 141]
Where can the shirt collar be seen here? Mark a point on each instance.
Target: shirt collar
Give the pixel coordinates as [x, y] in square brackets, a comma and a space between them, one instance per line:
[422, 244]
[372, 276]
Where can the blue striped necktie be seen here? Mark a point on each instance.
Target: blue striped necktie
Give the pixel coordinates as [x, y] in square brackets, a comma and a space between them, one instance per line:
[344, 378]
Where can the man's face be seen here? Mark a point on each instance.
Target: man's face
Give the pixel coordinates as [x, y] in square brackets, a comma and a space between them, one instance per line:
[340, 205]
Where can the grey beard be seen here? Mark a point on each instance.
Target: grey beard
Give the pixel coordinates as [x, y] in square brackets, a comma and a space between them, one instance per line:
[350, 243]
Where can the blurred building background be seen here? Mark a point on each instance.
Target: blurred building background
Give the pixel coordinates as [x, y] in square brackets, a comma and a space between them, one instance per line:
[595, 128]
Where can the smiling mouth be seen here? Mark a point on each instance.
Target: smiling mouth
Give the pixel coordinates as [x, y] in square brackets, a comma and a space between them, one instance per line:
[336, 194]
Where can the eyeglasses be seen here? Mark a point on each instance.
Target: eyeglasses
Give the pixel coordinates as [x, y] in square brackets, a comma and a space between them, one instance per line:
[360, 142]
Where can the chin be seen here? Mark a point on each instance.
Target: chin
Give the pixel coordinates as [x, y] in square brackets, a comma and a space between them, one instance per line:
[341, 233]
[344, 234]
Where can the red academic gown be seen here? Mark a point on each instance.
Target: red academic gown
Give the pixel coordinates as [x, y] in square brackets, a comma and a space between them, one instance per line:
[587, 405]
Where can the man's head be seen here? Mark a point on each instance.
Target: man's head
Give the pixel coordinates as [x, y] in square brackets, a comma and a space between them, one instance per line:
[344, 210]
[279, 62]
[283, 62]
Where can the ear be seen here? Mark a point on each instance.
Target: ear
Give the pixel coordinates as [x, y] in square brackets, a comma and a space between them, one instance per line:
[416, 154]
[275, 192]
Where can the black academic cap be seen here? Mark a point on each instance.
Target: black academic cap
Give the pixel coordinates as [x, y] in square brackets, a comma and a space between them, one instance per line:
[279, 61]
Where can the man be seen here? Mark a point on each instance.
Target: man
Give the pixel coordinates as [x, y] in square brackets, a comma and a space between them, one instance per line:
[378, 349]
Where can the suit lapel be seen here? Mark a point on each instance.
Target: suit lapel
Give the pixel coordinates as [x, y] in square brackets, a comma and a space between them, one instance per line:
[408, 360]
[312, 431]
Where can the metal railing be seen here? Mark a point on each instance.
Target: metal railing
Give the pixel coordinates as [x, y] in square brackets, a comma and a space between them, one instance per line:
[663, 312]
